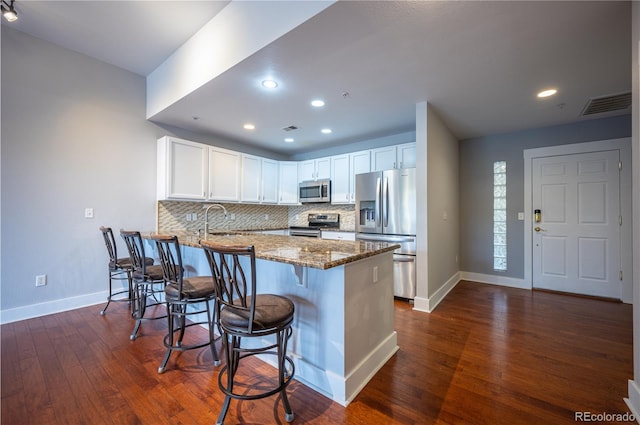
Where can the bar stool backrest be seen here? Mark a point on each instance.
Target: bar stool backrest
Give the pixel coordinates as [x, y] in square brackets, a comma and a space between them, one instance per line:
[133, 240]
[233, 289]
[110, 242]
[170, 259]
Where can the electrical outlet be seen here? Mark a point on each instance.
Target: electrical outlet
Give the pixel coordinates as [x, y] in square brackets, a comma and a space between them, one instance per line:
[88, 213]
[187, 217]
[232, 216]
[266, 216]
[41, 280]
[194, 216]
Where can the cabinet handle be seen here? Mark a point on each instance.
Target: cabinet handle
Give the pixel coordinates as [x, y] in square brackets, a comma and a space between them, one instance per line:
[394, 164]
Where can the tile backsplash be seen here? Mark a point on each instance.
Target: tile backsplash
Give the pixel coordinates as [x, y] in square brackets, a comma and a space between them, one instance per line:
[174, 216]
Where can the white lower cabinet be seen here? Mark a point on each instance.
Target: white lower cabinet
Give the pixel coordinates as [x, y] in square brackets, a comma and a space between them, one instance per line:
[338, 236]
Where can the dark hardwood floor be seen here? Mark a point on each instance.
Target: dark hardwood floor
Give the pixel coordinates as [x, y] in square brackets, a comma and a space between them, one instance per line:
[487, 355]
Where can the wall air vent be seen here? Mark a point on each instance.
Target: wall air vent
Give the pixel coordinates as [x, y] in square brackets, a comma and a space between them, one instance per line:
[290, 128]
[610, 103]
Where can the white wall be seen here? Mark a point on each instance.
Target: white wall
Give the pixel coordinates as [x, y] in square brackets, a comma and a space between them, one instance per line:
[74, 136]
[634, 385]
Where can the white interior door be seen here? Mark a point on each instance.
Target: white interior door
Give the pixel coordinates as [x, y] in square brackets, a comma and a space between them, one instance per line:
[576, 243]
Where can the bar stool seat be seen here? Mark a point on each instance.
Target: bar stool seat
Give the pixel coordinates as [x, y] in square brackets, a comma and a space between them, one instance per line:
[245, 314]
[271, 311]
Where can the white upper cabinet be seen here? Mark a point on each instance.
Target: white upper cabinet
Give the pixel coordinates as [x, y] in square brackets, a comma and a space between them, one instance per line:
[288, 183]
[359, 162]
[259, 179]
[269, 178]
[406, 155]
[224, 175]
[390, 157]
[199, 172]
[383, 158]
[340, 176]
[182, 169]
[343, 171]
[251, 178]
[314, 169]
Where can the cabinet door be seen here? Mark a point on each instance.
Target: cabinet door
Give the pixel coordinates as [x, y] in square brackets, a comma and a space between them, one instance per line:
[338, 236]
[383, 158]
[360, 162]
[288, 183]
[185, 169]
[307, 170]
[251, 178]
[340, 179]
[406, 155]
[323, 168]
[224, 175]
[269, 181]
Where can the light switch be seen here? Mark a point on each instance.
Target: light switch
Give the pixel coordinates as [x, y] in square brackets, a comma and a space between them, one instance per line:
[520, 216]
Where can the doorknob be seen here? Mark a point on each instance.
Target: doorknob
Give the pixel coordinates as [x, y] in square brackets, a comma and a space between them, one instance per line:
[538, 229]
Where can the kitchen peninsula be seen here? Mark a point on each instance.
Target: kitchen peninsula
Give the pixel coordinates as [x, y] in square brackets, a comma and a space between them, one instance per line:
[343, 330]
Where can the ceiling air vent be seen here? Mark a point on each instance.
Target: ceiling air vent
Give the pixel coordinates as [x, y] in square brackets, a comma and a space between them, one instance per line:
[611, 103]
[290, 128]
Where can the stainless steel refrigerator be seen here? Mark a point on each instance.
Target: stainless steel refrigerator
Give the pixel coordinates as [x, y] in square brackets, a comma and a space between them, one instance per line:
[386, 211]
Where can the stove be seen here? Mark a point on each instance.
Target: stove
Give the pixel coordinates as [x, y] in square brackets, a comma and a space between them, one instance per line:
[317, 222]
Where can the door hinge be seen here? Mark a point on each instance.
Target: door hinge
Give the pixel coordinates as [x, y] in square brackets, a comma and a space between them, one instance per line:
[619, 165]
[620, 220]
[620, 274]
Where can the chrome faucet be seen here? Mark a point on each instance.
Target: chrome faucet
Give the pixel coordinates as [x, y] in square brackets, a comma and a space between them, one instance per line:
[206, 216]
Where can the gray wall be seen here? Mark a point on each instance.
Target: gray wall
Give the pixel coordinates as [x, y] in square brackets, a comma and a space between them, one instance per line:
[476, 186]
[442, 203]
[74, 135]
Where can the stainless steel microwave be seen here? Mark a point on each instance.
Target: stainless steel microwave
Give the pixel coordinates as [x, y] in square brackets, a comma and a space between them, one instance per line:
[314, 191]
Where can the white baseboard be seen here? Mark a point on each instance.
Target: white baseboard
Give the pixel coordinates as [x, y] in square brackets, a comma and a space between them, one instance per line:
[51, 307]
[491, 279]
[633, 402]
[429, 304]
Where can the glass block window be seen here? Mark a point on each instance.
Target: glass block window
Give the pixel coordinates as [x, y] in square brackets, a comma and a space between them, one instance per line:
[500, 215]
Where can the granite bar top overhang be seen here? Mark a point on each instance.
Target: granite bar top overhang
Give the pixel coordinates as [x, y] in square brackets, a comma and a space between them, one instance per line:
[301, 251]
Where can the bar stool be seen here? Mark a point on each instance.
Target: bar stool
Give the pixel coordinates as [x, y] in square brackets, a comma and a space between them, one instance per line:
[245, 314]
[183, 296]
[119, 269]
[148, 281]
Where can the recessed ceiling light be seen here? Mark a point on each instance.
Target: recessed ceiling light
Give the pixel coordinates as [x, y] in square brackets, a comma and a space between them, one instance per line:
[317, 103]
[547, 93]
[270, 84]
[326, 131]
[289, 140]
[249, 126]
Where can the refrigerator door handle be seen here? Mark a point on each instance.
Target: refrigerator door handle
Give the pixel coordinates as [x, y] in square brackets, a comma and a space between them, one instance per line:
[385, 203]
[377, 206]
